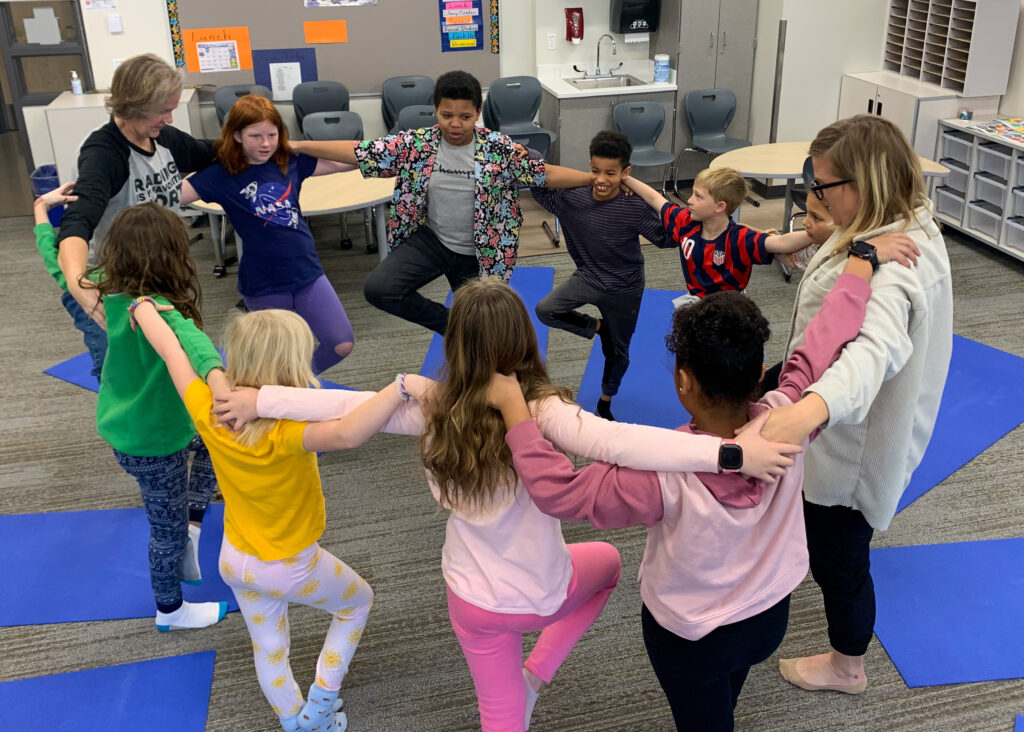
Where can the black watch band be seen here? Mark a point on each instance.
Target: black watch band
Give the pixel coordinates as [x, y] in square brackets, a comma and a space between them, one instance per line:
[865, 251]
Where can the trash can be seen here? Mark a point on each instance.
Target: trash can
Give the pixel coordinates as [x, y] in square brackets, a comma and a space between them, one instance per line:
[44, 179]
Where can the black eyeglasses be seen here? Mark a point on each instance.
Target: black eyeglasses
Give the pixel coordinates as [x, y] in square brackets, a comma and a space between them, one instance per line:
[817, 188]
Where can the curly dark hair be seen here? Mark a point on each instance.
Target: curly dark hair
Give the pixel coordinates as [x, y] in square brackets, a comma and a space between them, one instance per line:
[720, 340]
[458, 85]
[614, 145]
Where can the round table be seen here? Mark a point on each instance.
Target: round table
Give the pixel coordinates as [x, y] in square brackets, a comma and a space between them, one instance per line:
[322, 194]
[786, 160]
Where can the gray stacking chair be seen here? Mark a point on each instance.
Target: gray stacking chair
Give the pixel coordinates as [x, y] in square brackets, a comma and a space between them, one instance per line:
[335, 126]
[226, 96]
[512, 103]
[708, 114]
[399, 92]
[318, 96]
[415, 116]
[642, 123]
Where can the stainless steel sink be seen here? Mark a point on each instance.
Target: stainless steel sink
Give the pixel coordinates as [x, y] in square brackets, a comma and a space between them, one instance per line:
[608, 82]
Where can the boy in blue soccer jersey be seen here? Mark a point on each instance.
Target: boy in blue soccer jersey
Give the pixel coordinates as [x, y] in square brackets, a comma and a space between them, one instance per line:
[716, 252]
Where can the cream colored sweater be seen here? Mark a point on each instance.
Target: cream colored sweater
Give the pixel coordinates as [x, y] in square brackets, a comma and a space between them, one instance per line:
[883, 392]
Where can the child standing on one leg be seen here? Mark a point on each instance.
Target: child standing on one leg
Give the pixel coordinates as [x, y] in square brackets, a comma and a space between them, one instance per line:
[257, 180]
[602, 227]
[274, 510]
[146, 253]
[716, 252]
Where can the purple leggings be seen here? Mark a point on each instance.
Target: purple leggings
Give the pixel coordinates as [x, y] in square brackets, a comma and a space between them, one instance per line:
[320, 307]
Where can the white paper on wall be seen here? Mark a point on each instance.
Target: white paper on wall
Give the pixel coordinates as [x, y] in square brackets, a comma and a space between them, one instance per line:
[99, 4]
[284, 77]
[42, 28]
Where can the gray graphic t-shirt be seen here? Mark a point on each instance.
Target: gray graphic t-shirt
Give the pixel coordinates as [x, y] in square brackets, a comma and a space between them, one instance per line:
[450, 197]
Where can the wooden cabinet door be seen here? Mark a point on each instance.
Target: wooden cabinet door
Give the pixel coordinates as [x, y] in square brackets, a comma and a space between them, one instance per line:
[856, 97]
[737, 30]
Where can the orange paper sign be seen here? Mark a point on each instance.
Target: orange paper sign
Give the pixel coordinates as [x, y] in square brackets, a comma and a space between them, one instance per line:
[325, 31]
[238, 34]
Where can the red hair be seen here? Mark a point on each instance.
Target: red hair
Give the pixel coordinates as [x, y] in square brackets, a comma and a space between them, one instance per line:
[247, 111]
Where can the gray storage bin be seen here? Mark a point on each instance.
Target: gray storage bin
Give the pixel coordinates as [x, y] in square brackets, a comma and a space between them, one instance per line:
[994, 158]
[957, 145]
[984, 218]
[991, 189]
[1015, 232]
[949, 202]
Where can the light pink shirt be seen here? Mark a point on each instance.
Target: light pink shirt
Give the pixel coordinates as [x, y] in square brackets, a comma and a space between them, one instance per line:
[706, 563]
[510, 557]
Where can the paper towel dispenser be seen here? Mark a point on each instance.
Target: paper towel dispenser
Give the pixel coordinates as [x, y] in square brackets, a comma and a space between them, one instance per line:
[635, 16]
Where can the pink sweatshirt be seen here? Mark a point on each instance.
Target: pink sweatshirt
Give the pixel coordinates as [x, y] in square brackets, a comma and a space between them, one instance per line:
[720, 547]
[509, 557]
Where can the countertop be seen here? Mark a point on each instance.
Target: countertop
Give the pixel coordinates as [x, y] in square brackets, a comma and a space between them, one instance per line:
[552, 80]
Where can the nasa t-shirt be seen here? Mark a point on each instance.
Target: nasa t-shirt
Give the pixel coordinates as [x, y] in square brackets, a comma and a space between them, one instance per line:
[262, 204]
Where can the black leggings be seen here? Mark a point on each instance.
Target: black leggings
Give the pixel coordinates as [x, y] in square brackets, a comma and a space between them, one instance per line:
[702, 679]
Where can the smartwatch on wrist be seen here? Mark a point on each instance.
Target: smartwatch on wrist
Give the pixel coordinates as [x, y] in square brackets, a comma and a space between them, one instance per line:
[730, 456]
[865, 251]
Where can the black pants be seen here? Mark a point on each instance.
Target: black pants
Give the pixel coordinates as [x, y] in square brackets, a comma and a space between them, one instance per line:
[770, 381]
[703, 679]
[619, 312]
[839, 541]
[419, 259]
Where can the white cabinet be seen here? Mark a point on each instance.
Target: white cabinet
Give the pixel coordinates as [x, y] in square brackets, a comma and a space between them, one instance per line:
[984, 193]
[711, 45]
[962, 45]
[913, 106]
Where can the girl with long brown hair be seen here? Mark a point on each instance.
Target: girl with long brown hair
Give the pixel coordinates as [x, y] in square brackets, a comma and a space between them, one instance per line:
[146, 256]
[257, 180]
[506, 565]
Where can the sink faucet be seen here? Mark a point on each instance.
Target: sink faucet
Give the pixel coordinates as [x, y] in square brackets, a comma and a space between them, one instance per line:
[597, 69]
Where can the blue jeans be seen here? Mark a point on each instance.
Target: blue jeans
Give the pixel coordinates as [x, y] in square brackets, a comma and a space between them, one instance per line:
[173, 495]
[93, 335]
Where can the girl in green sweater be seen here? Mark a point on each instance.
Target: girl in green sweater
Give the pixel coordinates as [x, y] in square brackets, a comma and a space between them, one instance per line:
[146, 253]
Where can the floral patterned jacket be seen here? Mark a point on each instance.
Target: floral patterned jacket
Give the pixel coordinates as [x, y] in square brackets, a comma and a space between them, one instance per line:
[500, 172]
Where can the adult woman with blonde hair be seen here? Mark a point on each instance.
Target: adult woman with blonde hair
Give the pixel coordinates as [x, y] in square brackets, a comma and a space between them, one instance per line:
[134, 158]
[881, 397]
[257, 180]
[507, 568]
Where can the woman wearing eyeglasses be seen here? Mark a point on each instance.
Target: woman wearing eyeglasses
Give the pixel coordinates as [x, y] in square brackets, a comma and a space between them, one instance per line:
[881, 397]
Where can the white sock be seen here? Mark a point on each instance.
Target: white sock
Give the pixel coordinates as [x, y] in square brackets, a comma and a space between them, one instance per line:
[190, 572]
[531, 700]
[192, 615]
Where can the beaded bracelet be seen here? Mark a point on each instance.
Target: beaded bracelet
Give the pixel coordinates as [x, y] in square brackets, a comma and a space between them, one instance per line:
[135, 303]
[400, 383]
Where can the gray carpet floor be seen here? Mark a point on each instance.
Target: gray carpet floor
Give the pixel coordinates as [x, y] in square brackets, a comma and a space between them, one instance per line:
[409, 673]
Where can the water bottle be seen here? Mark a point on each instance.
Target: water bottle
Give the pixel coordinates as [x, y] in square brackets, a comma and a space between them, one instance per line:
[76, 83]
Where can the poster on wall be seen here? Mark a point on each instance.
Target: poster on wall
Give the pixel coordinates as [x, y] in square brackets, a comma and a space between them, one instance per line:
[217, 56]
[99, 4]
[461, 25]
[280, 69]
[337, 3]
[217, 49]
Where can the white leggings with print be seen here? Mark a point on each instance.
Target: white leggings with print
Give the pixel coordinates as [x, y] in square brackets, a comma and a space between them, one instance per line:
[312, 577]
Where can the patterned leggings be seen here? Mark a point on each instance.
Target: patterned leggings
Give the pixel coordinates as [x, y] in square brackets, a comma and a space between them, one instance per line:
[173, 495]
[312, 577]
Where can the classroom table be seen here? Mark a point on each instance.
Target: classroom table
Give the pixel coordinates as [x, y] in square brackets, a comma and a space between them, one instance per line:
[322, 194]
[786, 160]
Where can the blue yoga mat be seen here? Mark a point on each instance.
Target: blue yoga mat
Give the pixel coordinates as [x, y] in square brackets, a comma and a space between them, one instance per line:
[532, 284]
[1018, 725]
[78, 371]
[646, 395]
[165, 693]
[950, 613]
[92, 565]
[983, 400]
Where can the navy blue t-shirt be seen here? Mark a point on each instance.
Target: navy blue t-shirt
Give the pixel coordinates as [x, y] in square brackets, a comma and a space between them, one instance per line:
[262, 204]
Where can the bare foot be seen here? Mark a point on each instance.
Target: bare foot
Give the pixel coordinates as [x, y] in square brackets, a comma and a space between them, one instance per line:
[832, 671]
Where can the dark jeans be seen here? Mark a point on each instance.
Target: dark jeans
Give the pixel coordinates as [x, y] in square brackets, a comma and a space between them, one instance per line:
[770, 382]
[93, 335]
[839, 542]
[173, 495]
[703, 678]
[422, 258]
[619, 312]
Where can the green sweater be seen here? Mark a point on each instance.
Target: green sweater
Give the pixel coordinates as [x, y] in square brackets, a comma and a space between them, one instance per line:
[138, 410]
[46, 243]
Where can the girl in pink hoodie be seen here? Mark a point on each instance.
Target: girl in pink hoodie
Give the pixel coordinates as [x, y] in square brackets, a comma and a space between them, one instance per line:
[724, 551]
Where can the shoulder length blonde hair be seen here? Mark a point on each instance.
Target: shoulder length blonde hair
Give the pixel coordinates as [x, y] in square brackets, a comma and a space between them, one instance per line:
[463, 443]
[268, 347]
[142, 86]
[873, 153]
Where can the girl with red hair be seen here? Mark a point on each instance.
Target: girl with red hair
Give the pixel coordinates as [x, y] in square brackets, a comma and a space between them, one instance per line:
[257, 180]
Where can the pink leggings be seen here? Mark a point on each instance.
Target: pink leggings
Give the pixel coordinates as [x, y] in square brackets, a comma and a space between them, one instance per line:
[493, 642]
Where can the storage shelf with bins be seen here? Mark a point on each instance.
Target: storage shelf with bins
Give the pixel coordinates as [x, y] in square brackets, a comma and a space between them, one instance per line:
[962, 45]
[983, 195]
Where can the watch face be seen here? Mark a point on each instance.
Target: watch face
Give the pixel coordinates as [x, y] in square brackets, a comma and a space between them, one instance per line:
[730, 457]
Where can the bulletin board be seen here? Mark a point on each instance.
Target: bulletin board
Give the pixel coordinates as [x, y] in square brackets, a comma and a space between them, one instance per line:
[360, 45]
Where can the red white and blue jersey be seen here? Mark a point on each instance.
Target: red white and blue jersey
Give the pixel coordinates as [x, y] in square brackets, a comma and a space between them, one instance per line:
[723, 263]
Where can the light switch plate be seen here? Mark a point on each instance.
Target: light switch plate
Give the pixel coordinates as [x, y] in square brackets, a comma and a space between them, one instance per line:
[552, 41]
